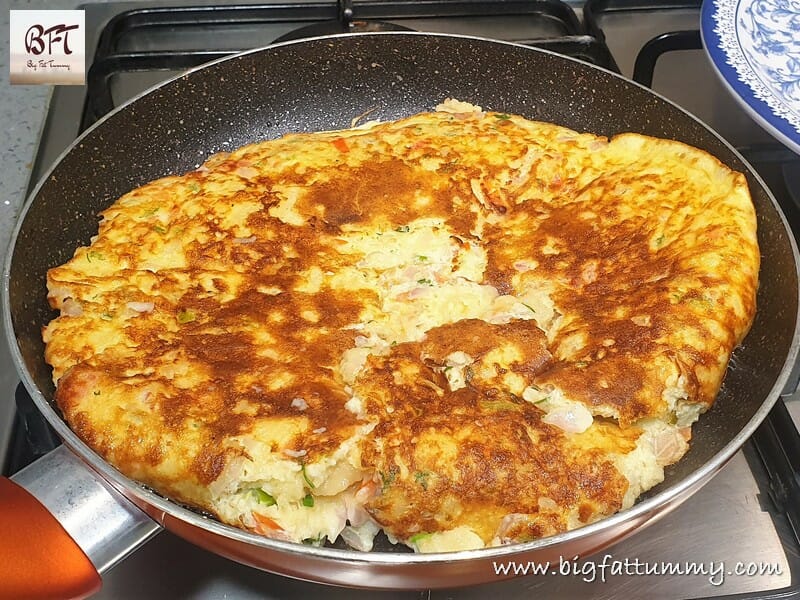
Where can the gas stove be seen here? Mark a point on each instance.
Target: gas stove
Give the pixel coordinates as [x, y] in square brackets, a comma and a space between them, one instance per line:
[747, 518]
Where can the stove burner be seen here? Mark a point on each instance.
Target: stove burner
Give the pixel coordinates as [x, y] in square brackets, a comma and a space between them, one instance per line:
[547, 24]
[344, 23]
[339, 27]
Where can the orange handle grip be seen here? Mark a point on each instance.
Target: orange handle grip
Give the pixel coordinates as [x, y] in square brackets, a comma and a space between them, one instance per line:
[38, 558]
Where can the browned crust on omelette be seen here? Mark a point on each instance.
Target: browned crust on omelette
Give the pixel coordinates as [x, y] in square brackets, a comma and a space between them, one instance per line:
[459, 322]
[476, 455]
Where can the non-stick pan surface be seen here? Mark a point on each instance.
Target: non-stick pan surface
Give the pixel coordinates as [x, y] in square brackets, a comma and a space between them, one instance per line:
[324, 83]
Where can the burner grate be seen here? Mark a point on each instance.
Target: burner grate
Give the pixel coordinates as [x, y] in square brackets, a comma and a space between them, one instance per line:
[547, 24]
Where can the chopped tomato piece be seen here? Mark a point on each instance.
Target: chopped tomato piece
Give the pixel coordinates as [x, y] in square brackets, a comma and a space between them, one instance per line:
[341, 145]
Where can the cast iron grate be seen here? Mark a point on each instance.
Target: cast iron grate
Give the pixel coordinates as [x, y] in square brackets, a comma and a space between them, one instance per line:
[112, 59]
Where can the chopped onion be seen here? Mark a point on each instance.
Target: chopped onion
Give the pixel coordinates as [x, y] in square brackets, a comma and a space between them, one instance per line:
[455, 107]
[525, 168]
[213, 161]
[546, 503]
[141, 307]
[417, 292]
[669, 446]
[597, 145]
[589, 272]
[360, 538]
[356, 514]
[299, 404]
[246, 172]
[58, 292]
[508, 524]
[477, 191]
[522, 266]
[295, 453]
[572, 419]
[369, 489]
[71, 308]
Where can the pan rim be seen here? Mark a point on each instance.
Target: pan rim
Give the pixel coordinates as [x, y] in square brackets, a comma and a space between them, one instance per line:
[678, 490]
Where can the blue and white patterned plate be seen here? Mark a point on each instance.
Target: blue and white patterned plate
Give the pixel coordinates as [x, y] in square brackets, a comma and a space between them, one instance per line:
[755, 47]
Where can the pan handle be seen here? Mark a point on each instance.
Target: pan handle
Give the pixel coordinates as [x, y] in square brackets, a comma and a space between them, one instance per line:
[61, 526]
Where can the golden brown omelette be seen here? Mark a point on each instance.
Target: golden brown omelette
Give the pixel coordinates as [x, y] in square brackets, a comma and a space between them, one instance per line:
[462, 328]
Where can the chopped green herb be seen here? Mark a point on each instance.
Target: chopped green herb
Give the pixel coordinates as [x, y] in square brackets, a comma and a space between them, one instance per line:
[545, 399]
[186, 316]
[502, 117]
[308, 500]
[96, 392]
[530, 308]
[659, 241]
[403, 229]
[422, 258]
[419, 536]
[94, 255]
[421, 477]
[315, 541]
[496, 405]
[703, 300]
[160, 229]
[388, 478]
[449, 167]
[305, 476]
[263, 497]
[424, 282]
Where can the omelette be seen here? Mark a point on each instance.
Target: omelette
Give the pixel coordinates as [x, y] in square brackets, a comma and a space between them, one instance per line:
[462, 328]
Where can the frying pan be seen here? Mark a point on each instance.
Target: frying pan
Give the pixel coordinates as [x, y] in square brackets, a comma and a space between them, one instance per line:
[318, 84]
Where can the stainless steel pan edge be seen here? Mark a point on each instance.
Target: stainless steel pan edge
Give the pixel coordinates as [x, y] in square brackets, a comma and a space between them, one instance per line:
[387, 570]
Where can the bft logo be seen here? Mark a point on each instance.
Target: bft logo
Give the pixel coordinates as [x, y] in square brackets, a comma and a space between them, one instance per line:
[37, 35]
[48, 46]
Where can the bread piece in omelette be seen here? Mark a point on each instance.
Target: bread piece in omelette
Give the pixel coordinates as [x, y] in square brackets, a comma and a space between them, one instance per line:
[463, 327]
